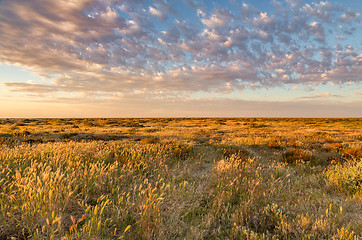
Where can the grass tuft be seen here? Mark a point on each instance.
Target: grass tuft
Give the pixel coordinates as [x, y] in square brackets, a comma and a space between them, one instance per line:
[295, 155]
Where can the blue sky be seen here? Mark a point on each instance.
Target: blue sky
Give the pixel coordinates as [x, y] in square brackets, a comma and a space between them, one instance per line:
[111, 58]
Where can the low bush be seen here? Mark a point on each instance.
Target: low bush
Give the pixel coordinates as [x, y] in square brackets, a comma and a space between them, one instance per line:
[276, 144]
[228, 151]
[352, 154]
[347, 177]
[295, 155]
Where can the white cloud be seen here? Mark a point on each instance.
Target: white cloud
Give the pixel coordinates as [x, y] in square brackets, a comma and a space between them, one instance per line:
[322, 11]
[350, 16]
[218, 19]
[294, 3]
[157, 13]
[263, 19]
[110, 15]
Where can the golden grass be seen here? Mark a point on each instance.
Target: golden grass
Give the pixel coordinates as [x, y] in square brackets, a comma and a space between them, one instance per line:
[180, 179]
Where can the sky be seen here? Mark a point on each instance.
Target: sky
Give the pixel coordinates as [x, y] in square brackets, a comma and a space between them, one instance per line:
[184, 58]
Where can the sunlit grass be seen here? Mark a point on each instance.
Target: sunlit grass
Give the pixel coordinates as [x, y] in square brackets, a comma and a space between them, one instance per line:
[180, 179]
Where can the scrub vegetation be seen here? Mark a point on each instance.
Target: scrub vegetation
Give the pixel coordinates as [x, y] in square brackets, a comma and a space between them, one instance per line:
[181, 178]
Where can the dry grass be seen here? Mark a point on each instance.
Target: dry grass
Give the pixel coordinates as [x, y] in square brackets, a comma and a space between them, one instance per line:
[295, 155]
[180, 179]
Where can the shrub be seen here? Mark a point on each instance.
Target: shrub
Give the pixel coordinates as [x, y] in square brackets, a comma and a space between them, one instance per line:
[177, 150]
[333, 147]
[347, 177]
[276, 144]
[149, 140]
[33, 140]
[352, 153]
[330, 140]
[229, 151]
[294, 155]
[68, 135]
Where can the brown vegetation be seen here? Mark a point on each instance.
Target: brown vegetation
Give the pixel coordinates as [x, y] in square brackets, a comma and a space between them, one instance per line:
[180, 178]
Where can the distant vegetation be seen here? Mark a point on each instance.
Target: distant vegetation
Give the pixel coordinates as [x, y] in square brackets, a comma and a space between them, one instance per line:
[180, 178]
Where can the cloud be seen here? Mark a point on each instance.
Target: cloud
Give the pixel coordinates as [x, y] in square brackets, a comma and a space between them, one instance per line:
[262, 19]
[78, 106]
[340, 37]
[116, 47]
[316, 29]
[247, 11]
[322, 10]
[30, 87]
[321, 95]
[109, 16]
[219, 18]
[195, 4]
[294, 3]
[350, 16]
[157, 13]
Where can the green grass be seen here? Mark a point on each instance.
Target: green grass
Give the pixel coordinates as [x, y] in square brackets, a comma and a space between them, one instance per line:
[180, 179]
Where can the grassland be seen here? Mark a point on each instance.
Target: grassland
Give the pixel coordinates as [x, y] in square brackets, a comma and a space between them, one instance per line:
[180, 179]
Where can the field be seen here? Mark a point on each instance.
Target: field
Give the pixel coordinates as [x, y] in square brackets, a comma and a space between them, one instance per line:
[181, 178]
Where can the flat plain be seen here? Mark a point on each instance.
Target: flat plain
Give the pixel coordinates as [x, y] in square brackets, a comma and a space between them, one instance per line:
[181, 178]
